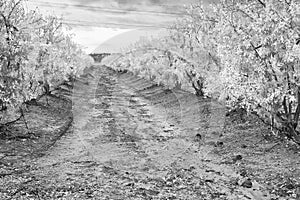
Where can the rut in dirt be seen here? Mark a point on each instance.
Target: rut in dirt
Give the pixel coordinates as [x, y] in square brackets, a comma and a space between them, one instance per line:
[132, 139]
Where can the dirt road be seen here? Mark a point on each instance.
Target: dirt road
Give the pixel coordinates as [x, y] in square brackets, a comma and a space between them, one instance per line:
[132, 139]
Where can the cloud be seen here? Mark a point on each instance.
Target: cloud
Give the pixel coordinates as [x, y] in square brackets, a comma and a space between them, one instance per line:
[115, 13]
[89, 17]
[143, 5]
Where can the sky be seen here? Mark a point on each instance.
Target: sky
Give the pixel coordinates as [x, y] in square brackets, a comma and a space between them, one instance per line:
[95, 21]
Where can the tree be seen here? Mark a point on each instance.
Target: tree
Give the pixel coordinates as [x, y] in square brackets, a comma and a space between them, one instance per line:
[158, 60]
[35, 57]
[244, 52]
[259, 57]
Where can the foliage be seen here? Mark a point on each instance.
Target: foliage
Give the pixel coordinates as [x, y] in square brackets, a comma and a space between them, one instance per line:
[244, 52]
[160, 60]
[35, 56]
[259, 57]
[184, 57]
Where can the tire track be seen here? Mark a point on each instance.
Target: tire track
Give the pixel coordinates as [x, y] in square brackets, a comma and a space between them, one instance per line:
[132, 139]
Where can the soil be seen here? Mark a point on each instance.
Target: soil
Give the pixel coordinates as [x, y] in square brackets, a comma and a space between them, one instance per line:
[118, 136]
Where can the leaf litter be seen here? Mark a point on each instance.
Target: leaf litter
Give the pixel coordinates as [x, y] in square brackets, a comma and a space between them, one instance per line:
[132, 139]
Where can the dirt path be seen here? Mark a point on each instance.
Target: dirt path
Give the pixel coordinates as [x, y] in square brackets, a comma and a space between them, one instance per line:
[134, 140]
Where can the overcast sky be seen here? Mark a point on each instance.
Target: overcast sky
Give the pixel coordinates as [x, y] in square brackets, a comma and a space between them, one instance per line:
[94, 21]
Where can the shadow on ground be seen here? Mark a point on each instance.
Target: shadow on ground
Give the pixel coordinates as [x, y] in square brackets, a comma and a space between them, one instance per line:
[132, 139]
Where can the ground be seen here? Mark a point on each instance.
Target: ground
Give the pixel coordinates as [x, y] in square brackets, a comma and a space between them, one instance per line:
[118, 136]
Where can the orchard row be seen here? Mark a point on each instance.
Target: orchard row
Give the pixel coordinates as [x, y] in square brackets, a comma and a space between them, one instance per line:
[243, 52]
[36, 55]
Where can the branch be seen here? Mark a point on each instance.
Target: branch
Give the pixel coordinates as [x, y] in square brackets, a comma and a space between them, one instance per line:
[285, 106]
[6, 24]
[255, 50]
[295, 137]
[13, 8]
[214, 59]
[296, 116]
[288, 2]
[180, 57]
[189, 76]
[263, 60]
[262, 3]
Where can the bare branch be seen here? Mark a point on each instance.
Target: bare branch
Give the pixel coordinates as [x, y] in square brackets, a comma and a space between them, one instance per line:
[262, 3]
[13, 8]
[297, 113]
